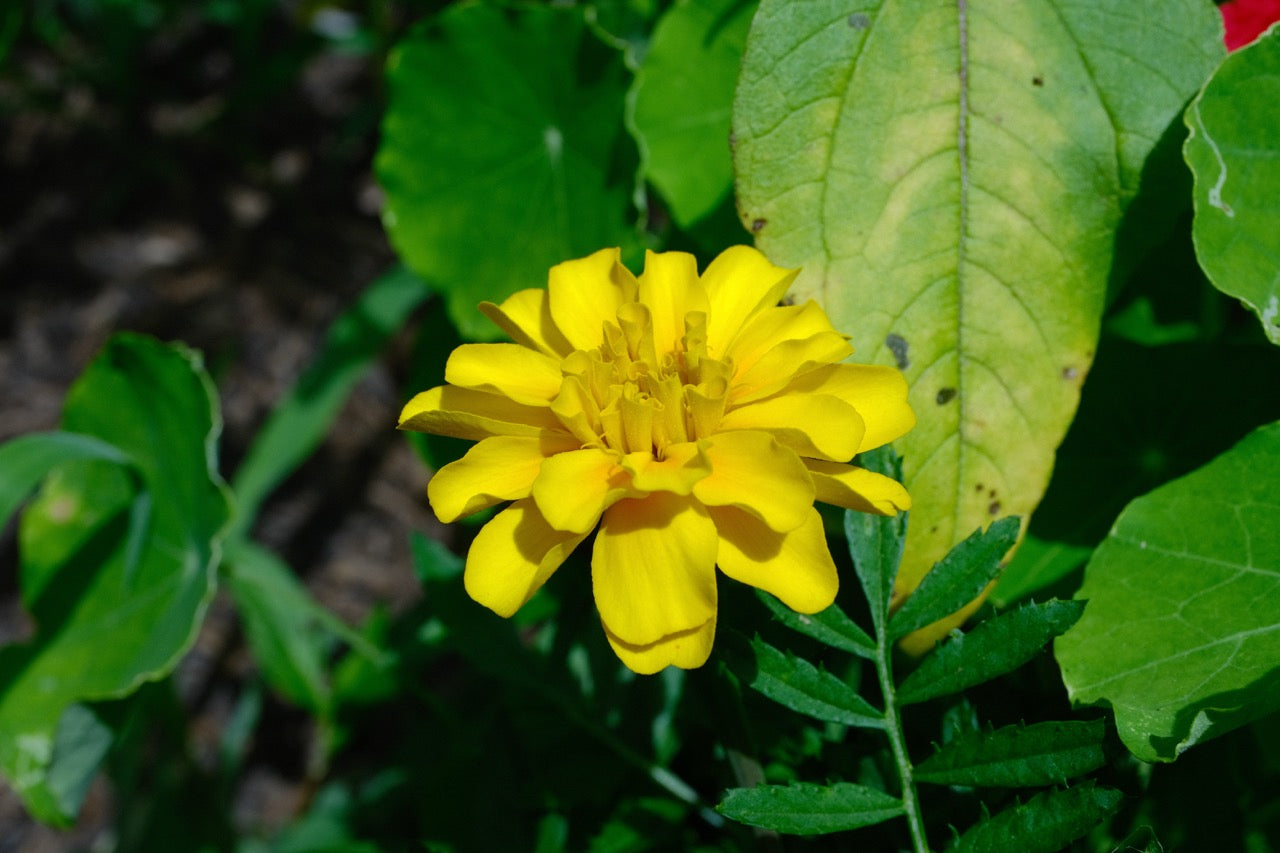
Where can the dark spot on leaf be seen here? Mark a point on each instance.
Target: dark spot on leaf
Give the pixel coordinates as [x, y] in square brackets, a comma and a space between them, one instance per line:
[898, 346]
[1069, 373]
[991, 492]
[859, 21]
[757, 225]
[977, 487]
[945, 395]
[933, 529]
[1037, 81]
[789, 299]
[733, 141]
[994, 508]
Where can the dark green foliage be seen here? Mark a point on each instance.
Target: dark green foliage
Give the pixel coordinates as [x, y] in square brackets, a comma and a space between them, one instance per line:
[993, 648]
[1044, 824]
[1018, 756]
[798, 684]
[804, 809]
[957, 579]
[831, 627]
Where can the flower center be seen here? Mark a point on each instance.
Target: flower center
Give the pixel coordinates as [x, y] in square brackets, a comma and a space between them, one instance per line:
[627, 397]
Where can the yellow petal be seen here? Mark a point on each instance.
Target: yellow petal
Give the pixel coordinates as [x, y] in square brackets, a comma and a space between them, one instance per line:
[795, 566]
[497, 469]
[573, 488]
[585, 293]
[815, 425]
[685, 649]
[857, 488]
[879, 394]
[513, 555]
[772, 326]
[776, 368]
[678, 472]
[670, 288]
[653, 568]
[751, 471]
[526, 317]
[524, 375]
[739, 282]
[473, 415]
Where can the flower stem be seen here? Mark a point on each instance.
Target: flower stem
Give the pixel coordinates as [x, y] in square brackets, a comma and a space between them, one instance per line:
[897, 741]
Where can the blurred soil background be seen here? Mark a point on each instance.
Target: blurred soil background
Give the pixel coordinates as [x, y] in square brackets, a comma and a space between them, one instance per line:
[200, 170]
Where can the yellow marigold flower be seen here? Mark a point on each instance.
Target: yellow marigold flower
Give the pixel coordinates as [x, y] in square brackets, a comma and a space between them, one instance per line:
[692, 418]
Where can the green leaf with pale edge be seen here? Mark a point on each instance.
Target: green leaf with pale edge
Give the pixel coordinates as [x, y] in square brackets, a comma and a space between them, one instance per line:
[807, 809]
[681, 102]
[301, 420]
[992, 648]
[1234, 153]
[28, 459]
[830, 627]
[799, 685]
[102, 629]
[949, 177]
[1181, 636]
[957, 579]
[1046, 823]
[500, 151]
[1018, 756]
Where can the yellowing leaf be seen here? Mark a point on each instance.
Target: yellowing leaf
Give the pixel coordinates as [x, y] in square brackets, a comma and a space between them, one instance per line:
[950, 177]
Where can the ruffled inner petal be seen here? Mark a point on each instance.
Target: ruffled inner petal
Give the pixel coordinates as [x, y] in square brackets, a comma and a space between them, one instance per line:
[524, 375]
[653, 568]
[473, 415]
[501, 468]
[857, 488]
[585, 293]
[751, 471]
[795, 566]
[685, 649]
[526, 317]
[814, 425]
[513, 555]
[879, 394]
[574, 488]
[669, 287]
[739, 282]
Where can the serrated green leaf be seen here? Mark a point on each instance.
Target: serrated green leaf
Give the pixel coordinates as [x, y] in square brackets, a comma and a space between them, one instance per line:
[1046, 823]
[806, 809]
[681, 102]
[1234, 154]
[830, 627]
[1018, 756]
[105, 627]
[949, 177]
[957, 579]
[300, 421]
[799, 685]
[1182, 632]
[992, 648]
[503, 122]
[875, 544]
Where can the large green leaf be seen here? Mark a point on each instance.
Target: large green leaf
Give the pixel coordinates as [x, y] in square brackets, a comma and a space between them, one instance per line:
[1181, 635]
[950, 177]
[104, 626]
[682, 96]
[1234, 152]
[502, 151]
[805, 809]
